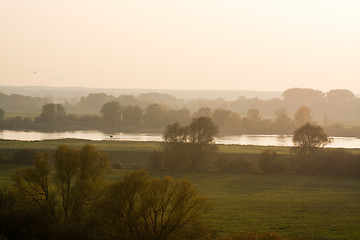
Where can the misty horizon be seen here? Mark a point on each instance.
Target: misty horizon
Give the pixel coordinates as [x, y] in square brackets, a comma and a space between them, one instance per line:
[256, 45]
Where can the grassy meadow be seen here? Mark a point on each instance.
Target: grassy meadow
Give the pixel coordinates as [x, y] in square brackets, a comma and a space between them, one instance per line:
[309, 207]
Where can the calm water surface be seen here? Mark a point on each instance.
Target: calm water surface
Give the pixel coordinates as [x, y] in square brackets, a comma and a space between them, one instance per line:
[259, 140]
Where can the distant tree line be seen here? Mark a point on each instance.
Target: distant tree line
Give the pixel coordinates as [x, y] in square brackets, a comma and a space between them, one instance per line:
[114, 117]
[337, 111]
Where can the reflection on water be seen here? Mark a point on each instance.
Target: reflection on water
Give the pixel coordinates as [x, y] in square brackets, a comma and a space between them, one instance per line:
[259, 140]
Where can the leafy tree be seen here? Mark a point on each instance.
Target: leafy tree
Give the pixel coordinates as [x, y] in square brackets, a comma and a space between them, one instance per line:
[302, 116]
[203, 112]
[60, 113]
[220, 117]
[308, 139]
[190, 146]
[283, 123]
[176, 148]
[297, 97]
[340, 96]
[52, 113]
[253, 115]
[342, 104]
[127, 100]
[93, 102]
[33, 183]
[32, 211]
[252, 122]
[35, 210]
[226, 120]
[175, 133]
[112, 114]
[181, 115]
[202, 132]
[155, 116]
[132, 115]
[138, 207]
[78, 177]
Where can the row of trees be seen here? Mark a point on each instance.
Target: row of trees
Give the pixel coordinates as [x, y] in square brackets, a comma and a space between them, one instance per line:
[192, 147]
[115, 117]
[76, 202]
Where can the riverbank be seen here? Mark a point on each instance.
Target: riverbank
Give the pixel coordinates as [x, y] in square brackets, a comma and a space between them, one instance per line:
[256, 140]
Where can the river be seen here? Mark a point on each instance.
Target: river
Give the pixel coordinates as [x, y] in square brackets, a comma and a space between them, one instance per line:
[259, 140]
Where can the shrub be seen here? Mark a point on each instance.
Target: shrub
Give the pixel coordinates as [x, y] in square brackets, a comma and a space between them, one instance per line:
[338, 162]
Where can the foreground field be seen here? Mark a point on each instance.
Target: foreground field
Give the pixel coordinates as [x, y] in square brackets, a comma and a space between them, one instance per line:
[296, 206]
[309, 207]
[302, 206]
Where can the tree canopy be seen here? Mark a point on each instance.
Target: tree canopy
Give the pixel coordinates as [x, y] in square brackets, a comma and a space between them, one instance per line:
[190, 146]
[309, 138]
[139, 207]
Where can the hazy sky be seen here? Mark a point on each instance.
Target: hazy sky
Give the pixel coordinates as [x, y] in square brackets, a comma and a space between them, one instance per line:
[187, 44]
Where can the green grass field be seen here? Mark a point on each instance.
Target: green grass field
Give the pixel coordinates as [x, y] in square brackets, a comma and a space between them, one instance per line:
[295, 206]
[310, 207]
